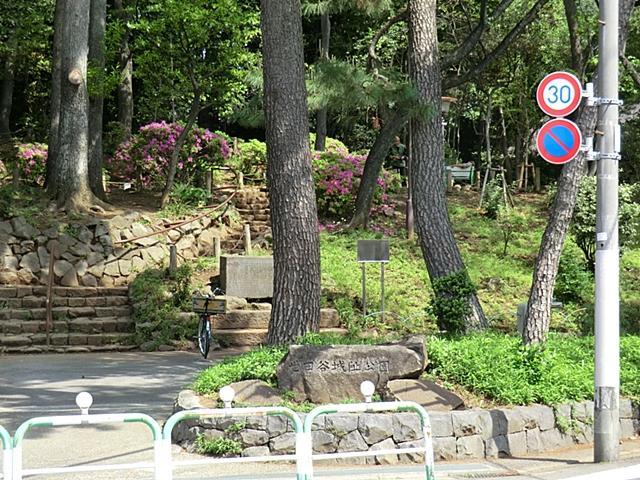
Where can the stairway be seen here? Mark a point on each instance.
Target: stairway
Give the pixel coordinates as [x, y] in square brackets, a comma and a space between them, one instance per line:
[85, 319]
[252, 204]
[249, 327]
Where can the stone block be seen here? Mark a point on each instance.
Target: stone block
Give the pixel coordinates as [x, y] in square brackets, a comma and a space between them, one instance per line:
[553, 440]
[534, 442]
[413, 457]
[253, 438]
[256, 452]
[471, 422]
[375, 427]
[15, 341]
[517, 444]
[352, 442]
[256, 392]
[282, 444]
[444, 448]
[34, 302]
[424, 392]
[341, 425]
[324, 442]
[626, 409]
[628, 428]
[8, 292]
[388, 459]
[441, 424]
[247, 277]
[497, 447]
[277, 425]
[469, 447]
[406, 427]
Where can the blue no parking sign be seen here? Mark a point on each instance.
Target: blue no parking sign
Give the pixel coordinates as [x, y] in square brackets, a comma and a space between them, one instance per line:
[559, 141]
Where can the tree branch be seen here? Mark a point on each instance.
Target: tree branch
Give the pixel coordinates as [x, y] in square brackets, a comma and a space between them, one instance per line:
[373, 61]
[635, 75]
[457, 80]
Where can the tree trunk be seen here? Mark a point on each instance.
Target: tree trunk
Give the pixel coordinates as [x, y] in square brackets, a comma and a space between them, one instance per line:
[173, 163]
[6, 95]
[536, 324]
[71, 174]
[125, 87]
[438, 244]
[373, 166]
[294, 219]
[54, 124]
[96, 102]
[321, 116]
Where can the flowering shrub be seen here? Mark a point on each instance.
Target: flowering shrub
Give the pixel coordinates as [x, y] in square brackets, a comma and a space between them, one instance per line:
[145, 157]
[31, 160]
[337, 176]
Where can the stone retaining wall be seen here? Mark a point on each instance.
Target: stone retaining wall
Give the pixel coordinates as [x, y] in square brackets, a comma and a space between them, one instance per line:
[88, 253]
[458, 435]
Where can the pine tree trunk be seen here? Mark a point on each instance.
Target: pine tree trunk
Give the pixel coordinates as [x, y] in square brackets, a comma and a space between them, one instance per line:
[373, 167]
[6, 95]
[536, 324]
[72, 175]
[54, 124]
[438, 244]
[296, 252]
[96, 102]
[125, 87]
[321, 116]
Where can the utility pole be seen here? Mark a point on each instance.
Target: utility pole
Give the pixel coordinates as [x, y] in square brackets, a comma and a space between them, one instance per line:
[607, 323]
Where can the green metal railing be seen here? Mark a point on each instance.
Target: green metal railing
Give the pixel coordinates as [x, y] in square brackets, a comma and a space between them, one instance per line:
[7, 453]
[427, 449]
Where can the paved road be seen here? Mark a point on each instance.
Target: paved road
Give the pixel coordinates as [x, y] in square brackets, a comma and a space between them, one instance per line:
[33, 385]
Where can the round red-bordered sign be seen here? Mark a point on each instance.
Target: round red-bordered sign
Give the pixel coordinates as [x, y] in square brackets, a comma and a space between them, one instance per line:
[559, 141]
[559, 94]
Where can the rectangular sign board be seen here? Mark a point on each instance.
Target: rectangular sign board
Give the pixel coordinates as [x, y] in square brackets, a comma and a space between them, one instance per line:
[373, 251]
[209, 305]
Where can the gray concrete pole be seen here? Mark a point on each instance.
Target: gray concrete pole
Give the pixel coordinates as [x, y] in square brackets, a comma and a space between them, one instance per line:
[607, 324]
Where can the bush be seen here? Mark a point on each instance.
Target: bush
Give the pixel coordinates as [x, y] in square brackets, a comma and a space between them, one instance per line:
[337, 178]
[251, 159]
[145, 157]
[494, 198]
[31, 160]
[574, 282]
[583, 226]
[220, 446]
[158, 299]
[451, 301]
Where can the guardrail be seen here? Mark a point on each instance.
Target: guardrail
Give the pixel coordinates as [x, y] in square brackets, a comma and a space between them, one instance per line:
[227, 394]
[163, 464]
[7, 456]
[367, 389]
[84, 401]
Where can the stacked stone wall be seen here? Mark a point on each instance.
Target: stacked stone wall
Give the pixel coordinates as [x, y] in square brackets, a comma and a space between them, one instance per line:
[457, 435]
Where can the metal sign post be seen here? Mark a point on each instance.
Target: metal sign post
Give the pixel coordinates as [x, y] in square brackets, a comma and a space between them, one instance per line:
[607, 315]
[372, 251]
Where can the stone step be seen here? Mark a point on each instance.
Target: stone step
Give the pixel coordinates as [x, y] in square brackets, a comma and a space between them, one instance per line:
[32, 301]
[34, 349]
[78, 325]
[256, 336]
[20, 291]
[60, 313]
[8, 342]
[259, 319]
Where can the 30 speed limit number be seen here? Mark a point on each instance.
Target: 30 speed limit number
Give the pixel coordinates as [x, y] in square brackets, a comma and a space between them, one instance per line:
[559, 94]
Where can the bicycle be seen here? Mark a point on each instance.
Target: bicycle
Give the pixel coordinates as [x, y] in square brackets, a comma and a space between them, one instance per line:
[206, 306]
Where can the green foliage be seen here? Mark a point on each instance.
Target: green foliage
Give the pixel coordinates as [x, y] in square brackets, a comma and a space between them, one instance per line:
[511, 221]
[494, 198]
[259, 364]
[451, 301]
[184, 198]
[584, 218]
[158, 298]
[220, 446]
[574, 282]
[251, 159]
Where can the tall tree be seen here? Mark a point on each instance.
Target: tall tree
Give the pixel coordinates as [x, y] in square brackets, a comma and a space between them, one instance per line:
[438, 244]
[56, 85]
[69, 183]
[296, 251]
[536, 324]
[97, 28]
[125, 60]
[7, 82]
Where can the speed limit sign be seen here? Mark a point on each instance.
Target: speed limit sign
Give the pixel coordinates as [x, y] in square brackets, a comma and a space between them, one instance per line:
[559, 94]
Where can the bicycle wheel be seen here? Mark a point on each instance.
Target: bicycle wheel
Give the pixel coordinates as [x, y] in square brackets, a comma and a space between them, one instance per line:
[204, 335]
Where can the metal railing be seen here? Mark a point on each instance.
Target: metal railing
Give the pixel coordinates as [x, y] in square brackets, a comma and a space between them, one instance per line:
[84, 401]
[367, 389]
[7, 457]
[163, 464]
[227, 394]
